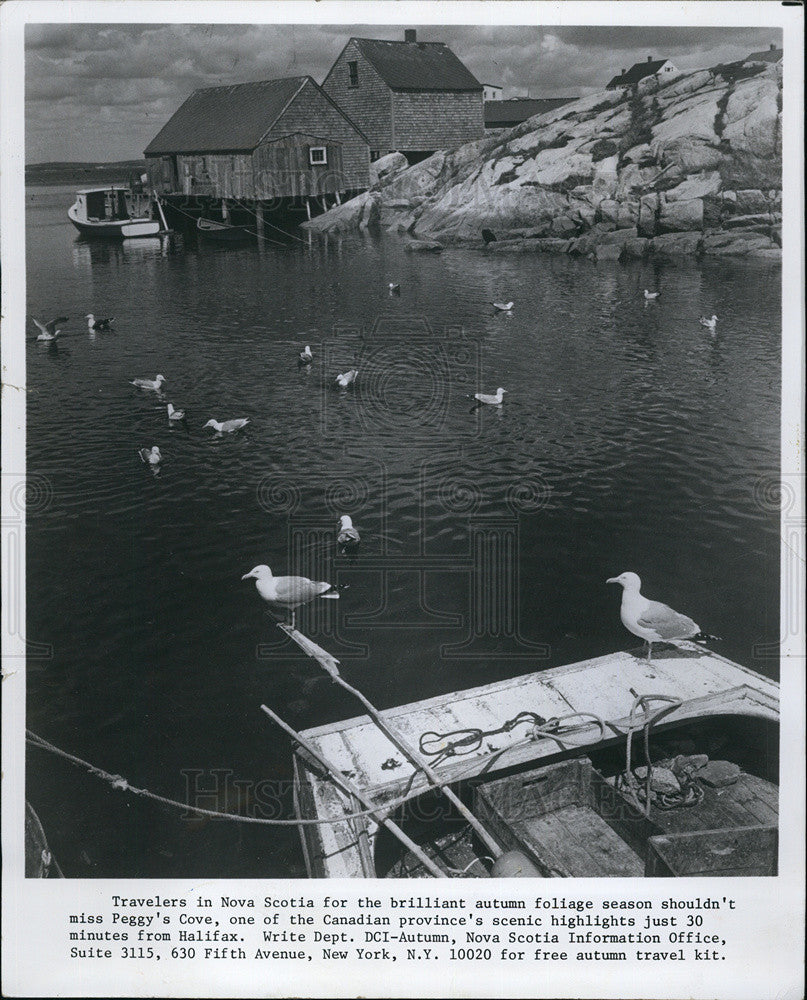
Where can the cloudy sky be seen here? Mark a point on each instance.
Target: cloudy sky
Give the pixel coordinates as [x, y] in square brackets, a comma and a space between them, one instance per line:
[102, 91]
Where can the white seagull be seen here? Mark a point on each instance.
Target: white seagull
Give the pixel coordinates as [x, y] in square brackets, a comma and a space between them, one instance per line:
[394, 288]
[503, 306]
[343, 381]
[151, 456]
[651, 296]
[288, 592]
[347, 535]
[651, 620]
[227, 426]
[710, 324]
[306, 356]
[485, 397]
[99, 324]
[175, 414]
[147, 383]
[49, 331]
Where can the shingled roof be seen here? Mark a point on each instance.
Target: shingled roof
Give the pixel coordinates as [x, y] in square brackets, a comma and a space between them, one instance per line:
[417, 65]
[230, 119]
[771, 54]
[518, 109]
[637, 72]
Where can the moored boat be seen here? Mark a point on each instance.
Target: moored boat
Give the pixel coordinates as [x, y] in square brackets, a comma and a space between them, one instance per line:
[113, 212]
[609, 767]
[222, 232]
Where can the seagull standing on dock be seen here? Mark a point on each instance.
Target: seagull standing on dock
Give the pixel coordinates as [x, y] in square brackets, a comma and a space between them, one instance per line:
[49, 331]
[485, 397]
[710, 324]
[227, 426]
[147, 383]
[651, 620]
[348, 538]
[288, 592]
[99, 324]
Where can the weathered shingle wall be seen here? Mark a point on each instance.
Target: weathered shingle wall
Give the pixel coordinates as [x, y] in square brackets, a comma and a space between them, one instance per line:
[313, 113]
[368, 104]
[429, 121]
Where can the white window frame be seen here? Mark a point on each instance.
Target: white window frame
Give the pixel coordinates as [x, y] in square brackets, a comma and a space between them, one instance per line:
[318, 149]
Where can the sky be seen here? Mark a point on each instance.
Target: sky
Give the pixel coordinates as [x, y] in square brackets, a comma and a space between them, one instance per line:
[101, 92]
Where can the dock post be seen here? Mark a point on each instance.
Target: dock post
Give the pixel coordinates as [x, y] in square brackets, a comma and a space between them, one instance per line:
[308, 208]
[338, 199]
[225, 211]
[259, 220]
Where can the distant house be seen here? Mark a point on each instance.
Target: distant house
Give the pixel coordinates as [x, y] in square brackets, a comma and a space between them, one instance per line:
[515, 110]
[492, 92]
[410, 96]
[662, 68]
[769, 55]
[259, 142]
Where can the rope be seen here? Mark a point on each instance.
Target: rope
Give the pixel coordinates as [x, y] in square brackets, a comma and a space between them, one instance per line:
[268, 239]
[247, 209]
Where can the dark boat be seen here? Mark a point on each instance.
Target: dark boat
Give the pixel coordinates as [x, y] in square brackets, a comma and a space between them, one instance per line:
[222, 232]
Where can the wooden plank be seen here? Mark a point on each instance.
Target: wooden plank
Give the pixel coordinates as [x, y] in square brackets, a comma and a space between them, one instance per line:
[746, 851]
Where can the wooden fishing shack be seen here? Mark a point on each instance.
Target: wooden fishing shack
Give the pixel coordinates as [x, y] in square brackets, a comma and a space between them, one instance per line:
[273, 146]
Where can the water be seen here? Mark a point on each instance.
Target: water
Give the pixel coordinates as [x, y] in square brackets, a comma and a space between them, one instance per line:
[629, 439]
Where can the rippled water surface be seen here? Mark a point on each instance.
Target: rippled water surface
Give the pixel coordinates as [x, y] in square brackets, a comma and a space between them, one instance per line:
[630, 438]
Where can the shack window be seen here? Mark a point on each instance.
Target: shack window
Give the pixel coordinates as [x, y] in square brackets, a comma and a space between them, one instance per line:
[317, 154]
[353, 74]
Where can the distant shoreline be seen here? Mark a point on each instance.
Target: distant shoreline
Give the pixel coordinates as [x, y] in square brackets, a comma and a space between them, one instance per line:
[41, 174]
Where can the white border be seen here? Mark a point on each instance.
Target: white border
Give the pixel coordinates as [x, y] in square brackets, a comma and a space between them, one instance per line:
[771, 964]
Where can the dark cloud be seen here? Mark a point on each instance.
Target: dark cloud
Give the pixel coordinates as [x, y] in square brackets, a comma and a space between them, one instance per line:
[101, 91]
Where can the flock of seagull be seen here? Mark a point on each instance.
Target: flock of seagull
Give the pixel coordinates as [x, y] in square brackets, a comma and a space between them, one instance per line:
[649, 620]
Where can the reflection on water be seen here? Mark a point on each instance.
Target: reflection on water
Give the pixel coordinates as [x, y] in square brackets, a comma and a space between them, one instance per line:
[629, 438]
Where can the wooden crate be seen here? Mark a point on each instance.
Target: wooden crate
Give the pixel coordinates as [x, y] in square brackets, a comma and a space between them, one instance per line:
[750, 850]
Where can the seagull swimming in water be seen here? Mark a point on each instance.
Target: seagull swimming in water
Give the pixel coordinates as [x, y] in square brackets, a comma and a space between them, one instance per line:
[651, 620]
[651, 296]
[151, 456]
[227, 426]
[306, 357]
[710, 324]
[288, 592]
[49, 331]
[394, 288]
[175, 414]
[343, 381]
[99, 324]
[348, 537]
[147, 383]
[495, 400]
[503, 306]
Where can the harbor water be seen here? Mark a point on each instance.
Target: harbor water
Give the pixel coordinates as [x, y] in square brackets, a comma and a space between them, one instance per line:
[630, 438]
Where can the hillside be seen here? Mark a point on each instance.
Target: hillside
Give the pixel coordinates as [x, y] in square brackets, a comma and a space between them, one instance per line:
[82, 173]
[691, 166]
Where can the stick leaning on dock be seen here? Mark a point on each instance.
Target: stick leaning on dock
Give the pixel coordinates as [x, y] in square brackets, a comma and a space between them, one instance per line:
[351, 789]
[330, 665]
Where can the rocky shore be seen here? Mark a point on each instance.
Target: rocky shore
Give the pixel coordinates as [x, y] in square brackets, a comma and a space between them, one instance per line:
[692, 166]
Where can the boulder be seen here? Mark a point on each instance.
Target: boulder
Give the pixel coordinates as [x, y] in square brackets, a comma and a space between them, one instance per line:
[690, 154]
[641, 155]
[751, 202]
[553, 245]
[609, 210]
[608, 251]
[695, 186]
[424, 246]
[648, 207]
[751, 119]
[680, 216]
[562, 225]
[747, 221]
[359, 213]
[738, 243]
[628, 214]
[386, 167]
[636, 248]
[676, 244]
[619, 236]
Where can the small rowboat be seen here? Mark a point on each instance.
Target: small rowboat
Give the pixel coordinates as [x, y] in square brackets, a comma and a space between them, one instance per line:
[222, 231]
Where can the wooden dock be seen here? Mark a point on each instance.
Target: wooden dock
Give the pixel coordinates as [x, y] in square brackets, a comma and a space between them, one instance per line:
[706, 684]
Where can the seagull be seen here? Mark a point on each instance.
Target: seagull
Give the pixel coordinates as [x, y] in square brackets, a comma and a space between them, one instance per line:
[288, 592]
[651, 620]
[99, 324]
[151, 456]
[147, 383]
[49, 331]
[175, 414]
[227, 426]
[650, 296]
[710, 324]
[394, 288]
[306, 357]
[503, 306]
[347, 536]
[485, 397]
[343, 381]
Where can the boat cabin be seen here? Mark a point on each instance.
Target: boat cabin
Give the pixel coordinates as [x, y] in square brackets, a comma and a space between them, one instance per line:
[107, 204]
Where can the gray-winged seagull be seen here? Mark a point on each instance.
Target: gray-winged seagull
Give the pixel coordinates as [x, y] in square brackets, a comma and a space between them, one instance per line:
[652, 620]
[151, 456]
[227, 426]
[348, 538]
[495, 400]
[288, 592]
[148, 383]
[710, 324]
[49, 331]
